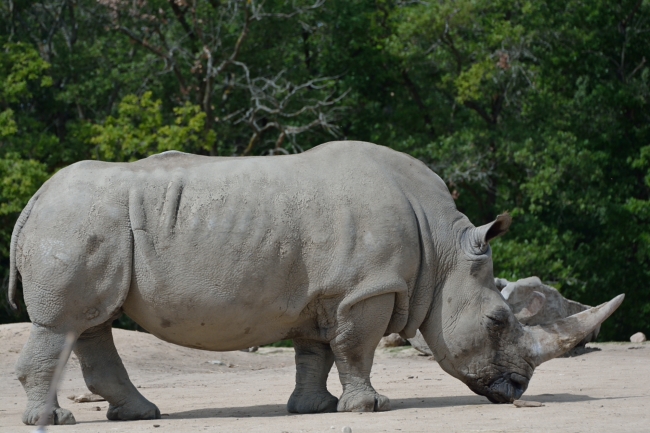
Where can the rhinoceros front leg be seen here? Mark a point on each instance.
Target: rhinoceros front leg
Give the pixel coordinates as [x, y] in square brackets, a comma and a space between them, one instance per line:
[35, 368]
[354, 350]
[105, 375]
[313, 363]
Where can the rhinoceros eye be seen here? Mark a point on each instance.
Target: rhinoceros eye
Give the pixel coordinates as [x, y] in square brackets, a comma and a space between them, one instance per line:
[498, 318]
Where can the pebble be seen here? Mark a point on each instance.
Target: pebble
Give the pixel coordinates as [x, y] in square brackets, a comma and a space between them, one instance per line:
[527, 403]
[225, 364]
[346, 429]
[639, 337]
[87, 397]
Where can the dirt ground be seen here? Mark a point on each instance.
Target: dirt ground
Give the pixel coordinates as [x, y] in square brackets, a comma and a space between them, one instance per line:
[606, 390]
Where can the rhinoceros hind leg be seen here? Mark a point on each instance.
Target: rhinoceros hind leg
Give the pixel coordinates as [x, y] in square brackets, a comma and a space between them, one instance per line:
[354, 350]
[35, 368]
[314, 361]
[105, 375]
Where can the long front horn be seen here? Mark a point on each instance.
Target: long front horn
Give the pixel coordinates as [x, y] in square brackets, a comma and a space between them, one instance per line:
[554, 339]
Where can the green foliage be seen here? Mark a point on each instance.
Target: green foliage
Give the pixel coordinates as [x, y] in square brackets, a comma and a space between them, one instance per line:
[20, 65]
[540, 108]
[139, 130]
[20, 69]
[22, 73]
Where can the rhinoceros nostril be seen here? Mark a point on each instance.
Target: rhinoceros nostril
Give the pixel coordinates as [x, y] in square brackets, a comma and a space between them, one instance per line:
[516, 390]
[518, 385]
[519, 380]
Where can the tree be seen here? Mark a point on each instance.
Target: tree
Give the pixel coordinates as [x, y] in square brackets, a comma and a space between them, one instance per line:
[221, 60]
[539, 108]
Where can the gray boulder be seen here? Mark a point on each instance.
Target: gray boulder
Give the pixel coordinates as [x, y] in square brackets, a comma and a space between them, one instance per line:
[533, 303]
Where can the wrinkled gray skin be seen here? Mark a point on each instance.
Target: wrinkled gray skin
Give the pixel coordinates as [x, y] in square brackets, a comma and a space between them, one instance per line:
[333, 248]
[533, 303]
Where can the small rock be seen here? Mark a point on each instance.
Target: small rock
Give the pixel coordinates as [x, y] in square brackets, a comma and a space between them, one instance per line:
[87, 397]
[527, 403]
[225, 364]
[97, 408]
[409, 377]
[639, 337]
[156, 425]
[346, 429]
[250, 349]
[392, 340]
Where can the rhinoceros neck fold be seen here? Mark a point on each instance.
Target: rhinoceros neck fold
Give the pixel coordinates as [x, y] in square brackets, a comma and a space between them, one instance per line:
[433, 266]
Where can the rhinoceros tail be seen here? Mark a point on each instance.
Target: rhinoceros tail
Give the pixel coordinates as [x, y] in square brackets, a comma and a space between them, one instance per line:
[13, 270]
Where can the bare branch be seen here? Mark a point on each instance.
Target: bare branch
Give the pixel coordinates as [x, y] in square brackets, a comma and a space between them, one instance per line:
[638, 67]
[180, 16]
[276, 101]
[258, 14]
[157, 51]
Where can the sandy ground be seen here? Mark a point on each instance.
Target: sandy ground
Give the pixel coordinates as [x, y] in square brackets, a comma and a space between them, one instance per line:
[601, 391]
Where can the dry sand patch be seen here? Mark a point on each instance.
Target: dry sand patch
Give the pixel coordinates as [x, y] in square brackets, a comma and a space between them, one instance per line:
[601, 391]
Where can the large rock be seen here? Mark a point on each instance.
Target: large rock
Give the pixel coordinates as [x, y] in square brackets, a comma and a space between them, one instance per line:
[639, 337]
[533, 303]
[551, 305]
[392, 340]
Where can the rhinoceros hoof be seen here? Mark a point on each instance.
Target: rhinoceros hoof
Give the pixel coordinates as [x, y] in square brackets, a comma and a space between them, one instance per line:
[58, 416]
[314, 402]
[133, 411]
[363, 402]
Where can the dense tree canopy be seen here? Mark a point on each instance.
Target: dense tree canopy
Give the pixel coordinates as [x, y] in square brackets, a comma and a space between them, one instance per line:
[536, 107]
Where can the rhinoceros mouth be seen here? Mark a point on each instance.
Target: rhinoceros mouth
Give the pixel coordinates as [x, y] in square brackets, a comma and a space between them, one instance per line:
[504, 389]
[507, 388]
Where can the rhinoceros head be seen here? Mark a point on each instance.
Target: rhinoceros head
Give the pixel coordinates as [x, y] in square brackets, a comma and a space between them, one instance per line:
[474, 333]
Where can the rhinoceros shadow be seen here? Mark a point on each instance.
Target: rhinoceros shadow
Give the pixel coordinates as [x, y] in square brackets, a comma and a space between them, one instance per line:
[471, 400]
[273, 410]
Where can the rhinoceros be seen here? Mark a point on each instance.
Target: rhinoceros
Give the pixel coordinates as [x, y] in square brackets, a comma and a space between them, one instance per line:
[533, 303]
[332, 248]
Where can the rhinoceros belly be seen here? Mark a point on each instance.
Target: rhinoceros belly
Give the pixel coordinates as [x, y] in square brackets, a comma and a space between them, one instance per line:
[212, 292]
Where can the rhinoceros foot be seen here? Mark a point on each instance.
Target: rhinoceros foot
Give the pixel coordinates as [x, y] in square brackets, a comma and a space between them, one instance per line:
[58, 416]
[363, 401]
[135, 410]
[314, 402]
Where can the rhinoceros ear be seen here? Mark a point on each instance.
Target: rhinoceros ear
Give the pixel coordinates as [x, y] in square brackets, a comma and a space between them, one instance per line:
[496, 228]
[476, 241]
